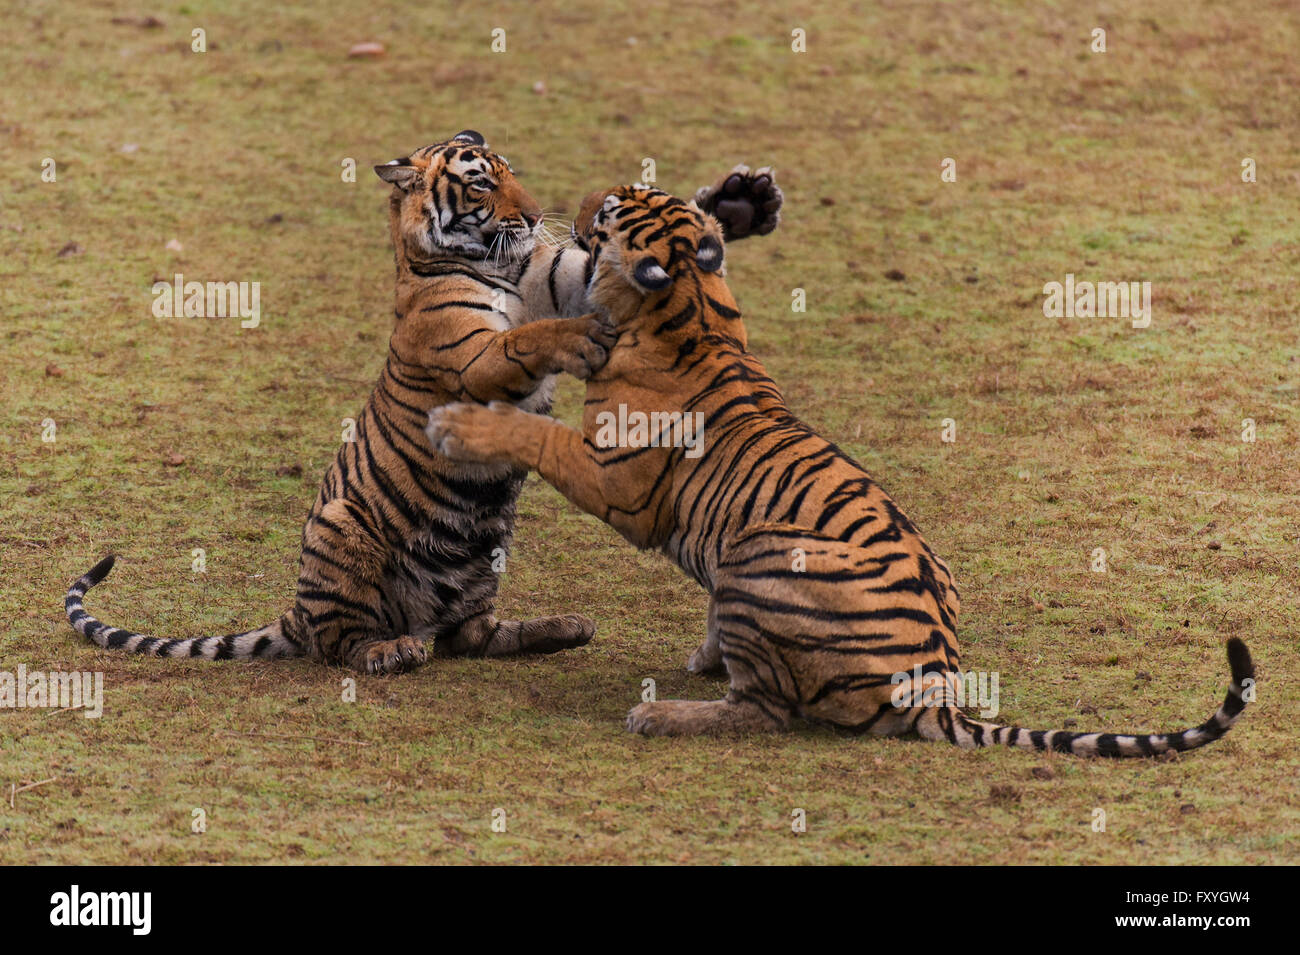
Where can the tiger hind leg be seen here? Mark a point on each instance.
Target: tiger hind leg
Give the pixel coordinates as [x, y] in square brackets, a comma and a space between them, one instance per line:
[732, 714]
[707, 659]
[486, 636]
[749, 641]
[759, 700]
[340, 595]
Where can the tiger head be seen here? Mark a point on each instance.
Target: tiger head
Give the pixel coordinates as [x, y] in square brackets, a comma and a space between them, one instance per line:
[460, 198]
[644, 242]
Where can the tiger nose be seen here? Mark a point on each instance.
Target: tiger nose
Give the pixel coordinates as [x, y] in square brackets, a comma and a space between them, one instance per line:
[532, 218]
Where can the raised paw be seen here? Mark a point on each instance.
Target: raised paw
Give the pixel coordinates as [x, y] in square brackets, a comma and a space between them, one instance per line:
[464, 431]
[746, 202]
[390, 656]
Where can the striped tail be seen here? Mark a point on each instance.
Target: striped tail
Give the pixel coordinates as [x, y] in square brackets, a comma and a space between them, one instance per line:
[947, 722]
[265, 642]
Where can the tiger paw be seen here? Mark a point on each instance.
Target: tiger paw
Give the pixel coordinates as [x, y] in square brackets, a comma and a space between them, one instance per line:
[587, 347]
[390, 656]
[553, 634]
[694, 717]
[673, 718]
[641, 719]
[746, 202]
[464, 431]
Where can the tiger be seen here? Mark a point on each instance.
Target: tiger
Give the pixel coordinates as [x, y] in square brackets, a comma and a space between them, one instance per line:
[399, 547]
[825, 602]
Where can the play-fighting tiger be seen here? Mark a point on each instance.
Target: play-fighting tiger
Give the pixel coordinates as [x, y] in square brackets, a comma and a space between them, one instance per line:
[399, 546]
[824, 598]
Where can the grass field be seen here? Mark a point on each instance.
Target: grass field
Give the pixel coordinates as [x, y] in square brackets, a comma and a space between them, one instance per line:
[924, 303]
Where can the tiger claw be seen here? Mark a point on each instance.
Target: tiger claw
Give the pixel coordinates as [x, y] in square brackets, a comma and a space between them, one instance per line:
[391, 656]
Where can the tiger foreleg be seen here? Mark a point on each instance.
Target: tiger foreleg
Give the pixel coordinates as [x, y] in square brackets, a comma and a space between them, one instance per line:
[493, 433]
[499, 432]
[339, 596]
[516, 361]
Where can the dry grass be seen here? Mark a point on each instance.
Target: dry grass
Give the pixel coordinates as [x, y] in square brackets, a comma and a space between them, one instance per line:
[1073, 434]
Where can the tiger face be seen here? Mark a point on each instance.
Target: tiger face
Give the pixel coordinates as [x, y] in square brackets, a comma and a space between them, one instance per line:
[641, 241]
[460, 197]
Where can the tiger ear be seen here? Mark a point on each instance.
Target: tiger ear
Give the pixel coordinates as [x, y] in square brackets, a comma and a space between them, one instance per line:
[470, 136]
[709, 255]
[399, 172]
[649, 274]
[591, 203]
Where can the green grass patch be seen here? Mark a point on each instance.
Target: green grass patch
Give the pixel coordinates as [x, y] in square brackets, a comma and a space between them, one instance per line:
[1072, 434]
